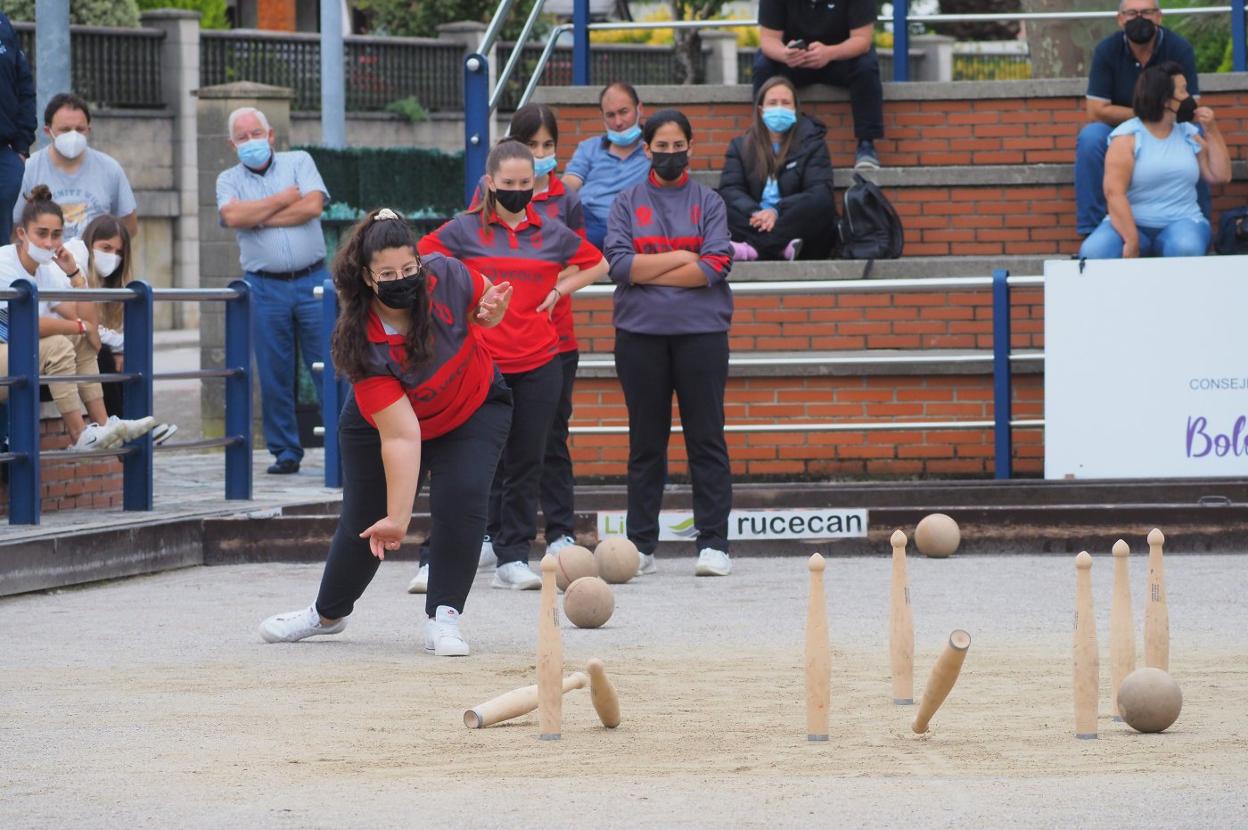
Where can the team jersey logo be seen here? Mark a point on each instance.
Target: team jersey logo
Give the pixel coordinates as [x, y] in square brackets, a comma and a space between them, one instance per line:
[552, 210]
[644, 215]
[695, 215]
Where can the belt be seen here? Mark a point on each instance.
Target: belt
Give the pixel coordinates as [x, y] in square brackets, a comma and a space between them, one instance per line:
[291, 275]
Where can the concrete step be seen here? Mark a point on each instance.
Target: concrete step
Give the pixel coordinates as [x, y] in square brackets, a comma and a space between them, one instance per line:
[845, 363]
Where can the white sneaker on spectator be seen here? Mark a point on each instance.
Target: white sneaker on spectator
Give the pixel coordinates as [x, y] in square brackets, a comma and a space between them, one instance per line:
[559, 544]
[420, 582]
[517, 576]
[295, 626]
[98, 437]
[442, 636]
[712, 562]
[647, 565]
[488, 559]
[129, 430]
[162, 433]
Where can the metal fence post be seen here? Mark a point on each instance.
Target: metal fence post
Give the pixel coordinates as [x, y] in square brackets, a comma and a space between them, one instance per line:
[476, 121]
[331, 388]
[580, 42]
[24, 479]
[1001, 381]
[901, 40]
[137, 469]
[333, 83]
[1239, 48]
[238, 393]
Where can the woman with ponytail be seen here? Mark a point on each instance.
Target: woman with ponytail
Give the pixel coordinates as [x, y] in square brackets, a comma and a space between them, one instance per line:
[427, 401]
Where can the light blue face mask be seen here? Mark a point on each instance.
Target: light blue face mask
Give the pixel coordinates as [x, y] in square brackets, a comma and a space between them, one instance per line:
[779, 119]
[545, 165]
[625, 138]
[255, 153]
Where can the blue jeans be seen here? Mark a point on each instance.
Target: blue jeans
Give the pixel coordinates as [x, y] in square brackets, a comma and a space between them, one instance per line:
[283, 313]
[1187, 237]
[11, 169]
[1090, 208]
[595, 230]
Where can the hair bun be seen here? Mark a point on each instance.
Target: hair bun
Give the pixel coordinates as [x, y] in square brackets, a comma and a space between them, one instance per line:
[386, 213]
[40, 193]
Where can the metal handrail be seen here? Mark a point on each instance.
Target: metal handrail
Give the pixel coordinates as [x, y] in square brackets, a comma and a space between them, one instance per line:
[806, 426]
[847, 286]
[514, 59]
[846, 360]
[495, 26]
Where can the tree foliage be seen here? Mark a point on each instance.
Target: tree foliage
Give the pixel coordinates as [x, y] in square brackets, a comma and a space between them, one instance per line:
[123, 13]
[211, 12]
[1003, 30]
[421, 18]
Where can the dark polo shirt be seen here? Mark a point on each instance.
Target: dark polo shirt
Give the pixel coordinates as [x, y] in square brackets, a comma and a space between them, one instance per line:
[1115, 70]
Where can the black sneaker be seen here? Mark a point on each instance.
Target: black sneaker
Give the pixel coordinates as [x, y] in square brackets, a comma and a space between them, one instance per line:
[284, 467]
[866, 159]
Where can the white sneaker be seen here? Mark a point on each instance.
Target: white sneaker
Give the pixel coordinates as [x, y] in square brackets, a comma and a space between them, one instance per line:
[442, 636]
[559, 544]
[129, 430]
[488, 559]
[293, 627]
[162, 433]
[99, 437]
[712, 562]
[647, 565]
[420, 582]
[517, 576]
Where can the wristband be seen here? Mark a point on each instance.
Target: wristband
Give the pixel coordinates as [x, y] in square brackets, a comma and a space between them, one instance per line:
[82, 327]
[557, 292]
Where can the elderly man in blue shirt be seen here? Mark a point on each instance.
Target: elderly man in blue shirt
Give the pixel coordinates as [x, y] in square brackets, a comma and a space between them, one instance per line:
[603, 166]
[273, 201]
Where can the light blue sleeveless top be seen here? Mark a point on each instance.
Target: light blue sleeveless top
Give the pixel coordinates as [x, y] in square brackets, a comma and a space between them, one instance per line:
[1163, 183]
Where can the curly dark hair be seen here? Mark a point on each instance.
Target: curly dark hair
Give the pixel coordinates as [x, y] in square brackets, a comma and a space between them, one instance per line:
[349, 345]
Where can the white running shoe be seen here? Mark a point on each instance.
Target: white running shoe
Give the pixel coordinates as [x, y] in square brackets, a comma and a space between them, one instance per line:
[295, 626]
[488, 559]
[420, 582]
[442, 637]
[129, 430]
[647, 565]
[712, 562]
[99, 437]
[162, 433]
[559, 544]
[517, 576]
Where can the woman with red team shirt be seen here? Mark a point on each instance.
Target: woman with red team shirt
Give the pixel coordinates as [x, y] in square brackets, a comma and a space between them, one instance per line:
[427, 400]
[506, 239]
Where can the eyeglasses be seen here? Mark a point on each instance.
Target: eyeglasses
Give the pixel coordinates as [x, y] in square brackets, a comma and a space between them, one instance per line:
[1132, 14]
[412, 269]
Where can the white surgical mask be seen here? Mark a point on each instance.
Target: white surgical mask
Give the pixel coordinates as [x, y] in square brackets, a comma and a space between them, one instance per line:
[70, 144]
[42, 256]
[106, 262]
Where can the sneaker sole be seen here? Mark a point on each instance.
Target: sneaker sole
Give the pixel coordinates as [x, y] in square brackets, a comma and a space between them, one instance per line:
[498, 583]
[272, 638]
[455, 653]
[415, 587]
[707, 570]
[866, 165]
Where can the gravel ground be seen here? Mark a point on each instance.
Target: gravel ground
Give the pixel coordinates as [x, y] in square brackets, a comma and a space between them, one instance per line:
[152, 702]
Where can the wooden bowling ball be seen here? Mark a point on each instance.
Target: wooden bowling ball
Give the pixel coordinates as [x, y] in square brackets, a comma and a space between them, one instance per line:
[588, 602]
[937, 536]
[572, 563]
[617, 559]
[1149, 700]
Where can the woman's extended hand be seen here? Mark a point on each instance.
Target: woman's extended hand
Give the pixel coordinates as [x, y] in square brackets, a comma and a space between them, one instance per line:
[493, 304]
[384, 535]
[553, 296]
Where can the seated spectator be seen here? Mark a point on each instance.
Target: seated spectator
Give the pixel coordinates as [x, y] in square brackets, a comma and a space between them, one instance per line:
[603, 166]
[1116, 66]
[84, 182]
[105, 247]
[1151, 169]
[65, 346]
[777, 181]
[826, 43]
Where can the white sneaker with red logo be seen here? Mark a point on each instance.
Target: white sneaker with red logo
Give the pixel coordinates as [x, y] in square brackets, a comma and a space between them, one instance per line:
[442, 636]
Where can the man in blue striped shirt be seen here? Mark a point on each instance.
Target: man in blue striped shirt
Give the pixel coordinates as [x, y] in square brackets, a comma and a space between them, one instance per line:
[273, 201]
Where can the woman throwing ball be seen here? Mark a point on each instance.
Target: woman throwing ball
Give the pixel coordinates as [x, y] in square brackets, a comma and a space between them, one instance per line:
[426, 400]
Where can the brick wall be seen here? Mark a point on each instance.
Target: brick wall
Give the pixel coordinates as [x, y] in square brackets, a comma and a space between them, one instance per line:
[89, 483]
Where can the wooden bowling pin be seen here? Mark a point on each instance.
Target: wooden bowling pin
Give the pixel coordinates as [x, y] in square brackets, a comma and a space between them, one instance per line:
[515, 703]
[549, 657]
[1156, 609]
[901, 626]
[602, 693]
[940, 682]
[1121, 629]
[818, 655]
[1086, 664]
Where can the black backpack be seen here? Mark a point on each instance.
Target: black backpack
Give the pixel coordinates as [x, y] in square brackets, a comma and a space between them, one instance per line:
[870, 228]
[1233, 233]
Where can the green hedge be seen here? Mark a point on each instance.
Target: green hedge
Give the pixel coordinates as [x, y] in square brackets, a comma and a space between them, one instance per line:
[421, 183]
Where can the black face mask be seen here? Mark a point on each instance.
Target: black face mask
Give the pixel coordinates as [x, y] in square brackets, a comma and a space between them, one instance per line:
[514, 200]
[669, 166]
[401, 293]
[1140, 30]
[1186, 111]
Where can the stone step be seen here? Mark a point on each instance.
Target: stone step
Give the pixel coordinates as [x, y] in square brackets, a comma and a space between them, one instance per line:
[846, 363]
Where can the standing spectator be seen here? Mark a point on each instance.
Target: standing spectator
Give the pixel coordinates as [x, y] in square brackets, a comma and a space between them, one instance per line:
[826, 43]
[670, 253]
[273, 201]
[17, 122]
[777, 181]
[84, 182]
[1151, 170]
[603, 166]
[1116, 66]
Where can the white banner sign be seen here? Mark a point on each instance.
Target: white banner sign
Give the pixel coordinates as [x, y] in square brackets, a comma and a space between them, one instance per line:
[1146, 368]
[820, 523]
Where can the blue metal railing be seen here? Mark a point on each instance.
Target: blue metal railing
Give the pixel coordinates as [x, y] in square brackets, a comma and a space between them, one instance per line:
[24, 456]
